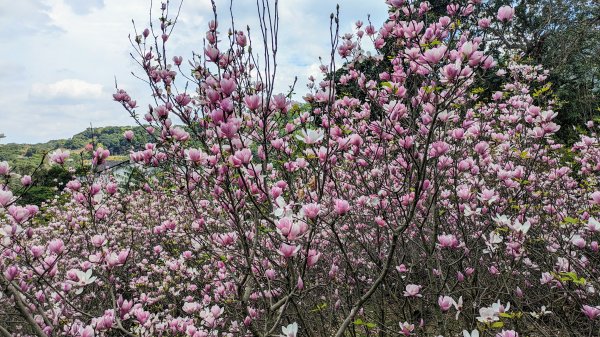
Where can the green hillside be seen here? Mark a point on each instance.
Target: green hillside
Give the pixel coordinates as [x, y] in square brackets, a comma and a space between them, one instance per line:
[24, 158]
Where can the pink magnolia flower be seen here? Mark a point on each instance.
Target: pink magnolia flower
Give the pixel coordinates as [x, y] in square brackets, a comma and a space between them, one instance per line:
[128, 135]
[11, 273]
[313, 257]
[56, 246]
[87, 332]
[445, 302]
[59, 156]
[5, 197]
[288, 251]
[4, 168]
[447, 241]
[505, 13]
[242, 157]
[26, 181]
[484, 22]
[434, 55]
[230, 128]
[311, 211]
[412, 290]
[595, 198]
[228, 86]
[341, 206]
[406, 328]
[507, 333]
[592, 226]
[591, 312]
[253, 102]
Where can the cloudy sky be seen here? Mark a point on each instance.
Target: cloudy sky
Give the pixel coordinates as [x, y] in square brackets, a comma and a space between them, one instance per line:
[60, 58]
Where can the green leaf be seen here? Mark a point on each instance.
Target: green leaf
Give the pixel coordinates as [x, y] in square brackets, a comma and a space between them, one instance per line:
[497, 325]
[570, 220]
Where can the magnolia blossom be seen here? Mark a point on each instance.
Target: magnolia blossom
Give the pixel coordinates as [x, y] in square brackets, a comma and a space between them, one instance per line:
[593, 225]
[445, 302]
[412, 290]
[4, 168]
[591, 312]
[83, 279]
[290, 331]
[341, 206]
[473, 333]
[406, 328]
[458, 305]
[447, 241]
[288, 251]
[310, 137]
[507, 333]
[519, 227]
[505, 13]
[487, 315]
[5, 197]
[59, 156]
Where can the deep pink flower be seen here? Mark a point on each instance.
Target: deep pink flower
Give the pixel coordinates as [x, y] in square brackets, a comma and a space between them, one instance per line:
[591, 312]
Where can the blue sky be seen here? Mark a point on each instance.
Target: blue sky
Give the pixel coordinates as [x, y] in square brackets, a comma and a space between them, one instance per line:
[60, 57]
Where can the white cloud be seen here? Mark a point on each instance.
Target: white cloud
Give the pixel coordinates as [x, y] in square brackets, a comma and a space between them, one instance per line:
[65, 54]
[67, 90]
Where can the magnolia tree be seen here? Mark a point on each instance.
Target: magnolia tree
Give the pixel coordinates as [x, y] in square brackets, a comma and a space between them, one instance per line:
[449, 212]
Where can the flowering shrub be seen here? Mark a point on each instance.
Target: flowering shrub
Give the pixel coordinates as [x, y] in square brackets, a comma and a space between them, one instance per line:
[426, 205]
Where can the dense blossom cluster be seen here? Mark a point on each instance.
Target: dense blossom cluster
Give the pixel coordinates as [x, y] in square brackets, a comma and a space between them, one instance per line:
[426, 206]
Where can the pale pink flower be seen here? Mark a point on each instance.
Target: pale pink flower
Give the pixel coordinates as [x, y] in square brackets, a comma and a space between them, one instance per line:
[4, 168]
[505, 13]
[445, 302]
[5, 197]
[288, 251]
[311, 211]
[447, 241]
[412, 290]
[26, 181]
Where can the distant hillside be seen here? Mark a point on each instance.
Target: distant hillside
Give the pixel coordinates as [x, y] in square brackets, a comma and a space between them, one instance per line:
[25, 157]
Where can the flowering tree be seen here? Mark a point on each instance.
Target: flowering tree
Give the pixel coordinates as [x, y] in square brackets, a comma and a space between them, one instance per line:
[450, 210]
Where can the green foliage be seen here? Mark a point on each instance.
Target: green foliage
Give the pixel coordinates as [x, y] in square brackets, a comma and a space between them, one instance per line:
[32, 159]
[25, 158]
[564, 37]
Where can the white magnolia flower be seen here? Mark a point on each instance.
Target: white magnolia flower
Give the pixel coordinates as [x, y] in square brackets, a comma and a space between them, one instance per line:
[281, 208]
[469, 211]
[290, 330]
[492, 242]
[84, 278]
[310, 137]
[519, 227]
[500, 308]
[487, 315]
[458, 306]
[502, 220]
[542, 312]
[473, 333]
